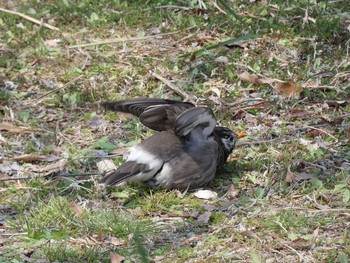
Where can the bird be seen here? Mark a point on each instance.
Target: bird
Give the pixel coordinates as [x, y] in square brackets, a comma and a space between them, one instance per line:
[186, 151]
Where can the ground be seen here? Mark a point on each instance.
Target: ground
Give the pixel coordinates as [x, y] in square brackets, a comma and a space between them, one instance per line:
[276, 70]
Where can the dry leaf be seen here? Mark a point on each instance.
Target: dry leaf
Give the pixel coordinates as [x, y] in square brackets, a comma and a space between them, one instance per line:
[7, 167]
[77, 209]
[248, 233]
[302, 176]
[315, 235]
[2, 139]
[299, 113]
[27, 158]
[105, 166]
[204, 218]
[120, 151]
[206, 194]
[232, 192]
[214, 90]
[52, 42]
[289, 176]
[117, 241]
[222, 59]
[115, 258]
[311, 84]
[247, 77]
[54, 167]
[5, 126]
[288, 89]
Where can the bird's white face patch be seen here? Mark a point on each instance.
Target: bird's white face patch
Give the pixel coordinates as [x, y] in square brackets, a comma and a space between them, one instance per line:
[139, 155]
[228, 143]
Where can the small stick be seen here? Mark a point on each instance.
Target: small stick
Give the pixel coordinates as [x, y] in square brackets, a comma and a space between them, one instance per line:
[57, 89]
[233, 104]
[169, 7]
[111, 41]
[14, 178]
[175, 88]
[33, 20]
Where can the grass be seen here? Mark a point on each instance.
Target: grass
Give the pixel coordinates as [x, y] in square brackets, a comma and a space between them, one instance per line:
[260, 215]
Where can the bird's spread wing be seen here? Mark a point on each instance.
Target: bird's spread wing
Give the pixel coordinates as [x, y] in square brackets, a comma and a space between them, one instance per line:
[156, 114]
[197, 121]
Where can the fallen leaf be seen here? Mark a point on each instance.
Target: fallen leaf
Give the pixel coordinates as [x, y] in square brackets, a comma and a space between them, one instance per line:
[311, 84]
[315, 235]
[119, 151]
[204, 218]
[248, 233]
[289, 176]
[27, 158]
[5, 126]
[54, 167]
[2, 139]
[299, 113]
[247, 77]
[97, 123]
[214, 90]
[288, 89]
[117, 241]
[77, 209]
[52, 42]
[206, 194]
[115, 258]
[302, 176]
[232, 192]
[7, 167]
[221, 59]
[105, 166]
[304, 142]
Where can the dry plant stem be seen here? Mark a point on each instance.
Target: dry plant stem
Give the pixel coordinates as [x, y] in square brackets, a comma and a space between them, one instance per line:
[39, 100]
[118, 40]
[317, 211]
[169, 7]
[15, 178]
[233, 104]
[174, 88]
[33, 20]
[302, 259]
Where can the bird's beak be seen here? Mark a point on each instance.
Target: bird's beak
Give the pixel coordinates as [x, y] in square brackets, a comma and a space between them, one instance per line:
[241, 135]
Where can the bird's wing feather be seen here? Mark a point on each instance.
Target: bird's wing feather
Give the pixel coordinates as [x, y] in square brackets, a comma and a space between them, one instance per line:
[162, 117]
[199, 120]
[125, 171]
[156, 114]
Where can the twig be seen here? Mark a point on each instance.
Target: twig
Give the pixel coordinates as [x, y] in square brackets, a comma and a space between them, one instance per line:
[40, 23]
[320, 130]
[279, 140]
[175, 88]
[284, 243]
[233, 104]
[57, 89]
[317, 211]
[169, 7]
[14, 178]
[112, 41]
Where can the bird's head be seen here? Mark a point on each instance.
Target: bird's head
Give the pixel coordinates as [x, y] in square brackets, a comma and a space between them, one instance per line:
[228, 138]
